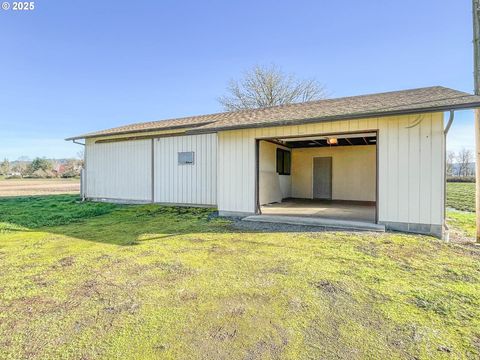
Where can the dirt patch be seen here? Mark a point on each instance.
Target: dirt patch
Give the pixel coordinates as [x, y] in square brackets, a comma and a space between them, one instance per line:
[35, 305]
[369, 249]
[270, 347]
[476, 343]
[232, 307]
[331, 288]
[297, 305]
[469, 249]
[237, 311]
[65, 262]
[169, 275]
[103, 257]
[458, 236]
[224, 333]
[174, 268]
[280, 269]
[405, 265]
[41, 281]
[129, 306]
[342, 310]
[186, 295]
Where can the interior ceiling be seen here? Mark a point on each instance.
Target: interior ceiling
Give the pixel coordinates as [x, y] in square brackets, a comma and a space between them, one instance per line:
[323, 141]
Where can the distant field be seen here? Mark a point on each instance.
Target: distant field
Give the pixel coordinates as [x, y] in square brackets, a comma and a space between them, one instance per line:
[461, 196]
[25, 187]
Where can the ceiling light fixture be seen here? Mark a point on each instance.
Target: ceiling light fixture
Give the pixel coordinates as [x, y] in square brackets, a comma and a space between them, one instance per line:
[332, 141]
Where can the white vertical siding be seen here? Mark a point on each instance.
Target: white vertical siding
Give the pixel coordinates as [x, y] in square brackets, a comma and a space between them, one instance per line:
[236, 175]
[410, 171]
[437, 170]
[403, 163]
[186, 184]
[119, 170]
[413, 183]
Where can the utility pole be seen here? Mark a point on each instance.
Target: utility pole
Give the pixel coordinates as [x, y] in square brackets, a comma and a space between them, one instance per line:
[476, 75]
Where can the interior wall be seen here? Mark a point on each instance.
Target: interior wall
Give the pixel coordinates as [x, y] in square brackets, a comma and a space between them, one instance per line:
[353, 172]
[272, 186]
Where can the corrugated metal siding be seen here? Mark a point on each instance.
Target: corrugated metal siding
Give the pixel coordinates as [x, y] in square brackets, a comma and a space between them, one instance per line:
[119, 170]
[410, 164]
[186, 184]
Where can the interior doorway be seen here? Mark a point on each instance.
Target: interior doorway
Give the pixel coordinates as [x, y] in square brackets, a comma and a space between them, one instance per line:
[322, 178]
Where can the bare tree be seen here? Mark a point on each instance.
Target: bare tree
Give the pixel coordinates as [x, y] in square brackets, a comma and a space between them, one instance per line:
[81, 157]
[464, 160]
[264, 86]
[450, 161]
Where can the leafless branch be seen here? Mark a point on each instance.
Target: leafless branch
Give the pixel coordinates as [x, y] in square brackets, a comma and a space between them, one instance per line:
[269, 86]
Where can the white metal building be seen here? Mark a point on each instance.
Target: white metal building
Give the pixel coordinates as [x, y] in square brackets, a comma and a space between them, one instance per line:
[376, 158]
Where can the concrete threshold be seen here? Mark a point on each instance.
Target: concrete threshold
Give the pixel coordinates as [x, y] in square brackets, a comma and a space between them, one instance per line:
[321, 222]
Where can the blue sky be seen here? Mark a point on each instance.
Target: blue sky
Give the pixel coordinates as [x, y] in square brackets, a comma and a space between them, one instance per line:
[70, 67]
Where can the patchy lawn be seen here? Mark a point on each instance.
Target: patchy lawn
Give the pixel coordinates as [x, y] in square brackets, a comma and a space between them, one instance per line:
[162, 282]
[463, 224]
[461, 215]
[461, 196]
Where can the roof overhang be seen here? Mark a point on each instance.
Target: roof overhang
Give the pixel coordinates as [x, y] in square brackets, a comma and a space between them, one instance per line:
[469, 106]
[141, 131]
[396, 103]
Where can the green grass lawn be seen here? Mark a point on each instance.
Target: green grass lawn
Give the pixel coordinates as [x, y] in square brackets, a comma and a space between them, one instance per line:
[461, 196]
[462, 223]
[461, 217]
[89, 281]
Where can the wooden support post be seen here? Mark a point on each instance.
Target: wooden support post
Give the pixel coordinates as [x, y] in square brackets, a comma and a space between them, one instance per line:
[477, 171]
[476, 77]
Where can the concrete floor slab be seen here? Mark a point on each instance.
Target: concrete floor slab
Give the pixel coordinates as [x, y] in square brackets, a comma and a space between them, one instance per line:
[325, 209]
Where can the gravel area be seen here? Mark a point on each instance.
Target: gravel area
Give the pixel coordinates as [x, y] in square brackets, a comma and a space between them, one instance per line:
[257, 226]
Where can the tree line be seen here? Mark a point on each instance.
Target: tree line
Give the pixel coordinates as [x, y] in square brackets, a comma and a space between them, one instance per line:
[460, 164]
[41, 168]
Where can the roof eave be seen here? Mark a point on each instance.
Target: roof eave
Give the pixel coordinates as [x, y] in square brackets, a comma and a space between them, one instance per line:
[93, 135]
[337, 118]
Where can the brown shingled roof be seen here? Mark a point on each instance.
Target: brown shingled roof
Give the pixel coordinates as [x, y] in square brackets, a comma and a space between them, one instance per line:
[429, 99]
[179, 123]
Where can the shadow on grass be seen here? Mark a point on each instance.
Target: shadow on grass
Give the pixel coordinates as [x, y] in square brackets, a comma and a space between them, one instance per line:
[103, 222]
[49, 210]
[120, 224]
